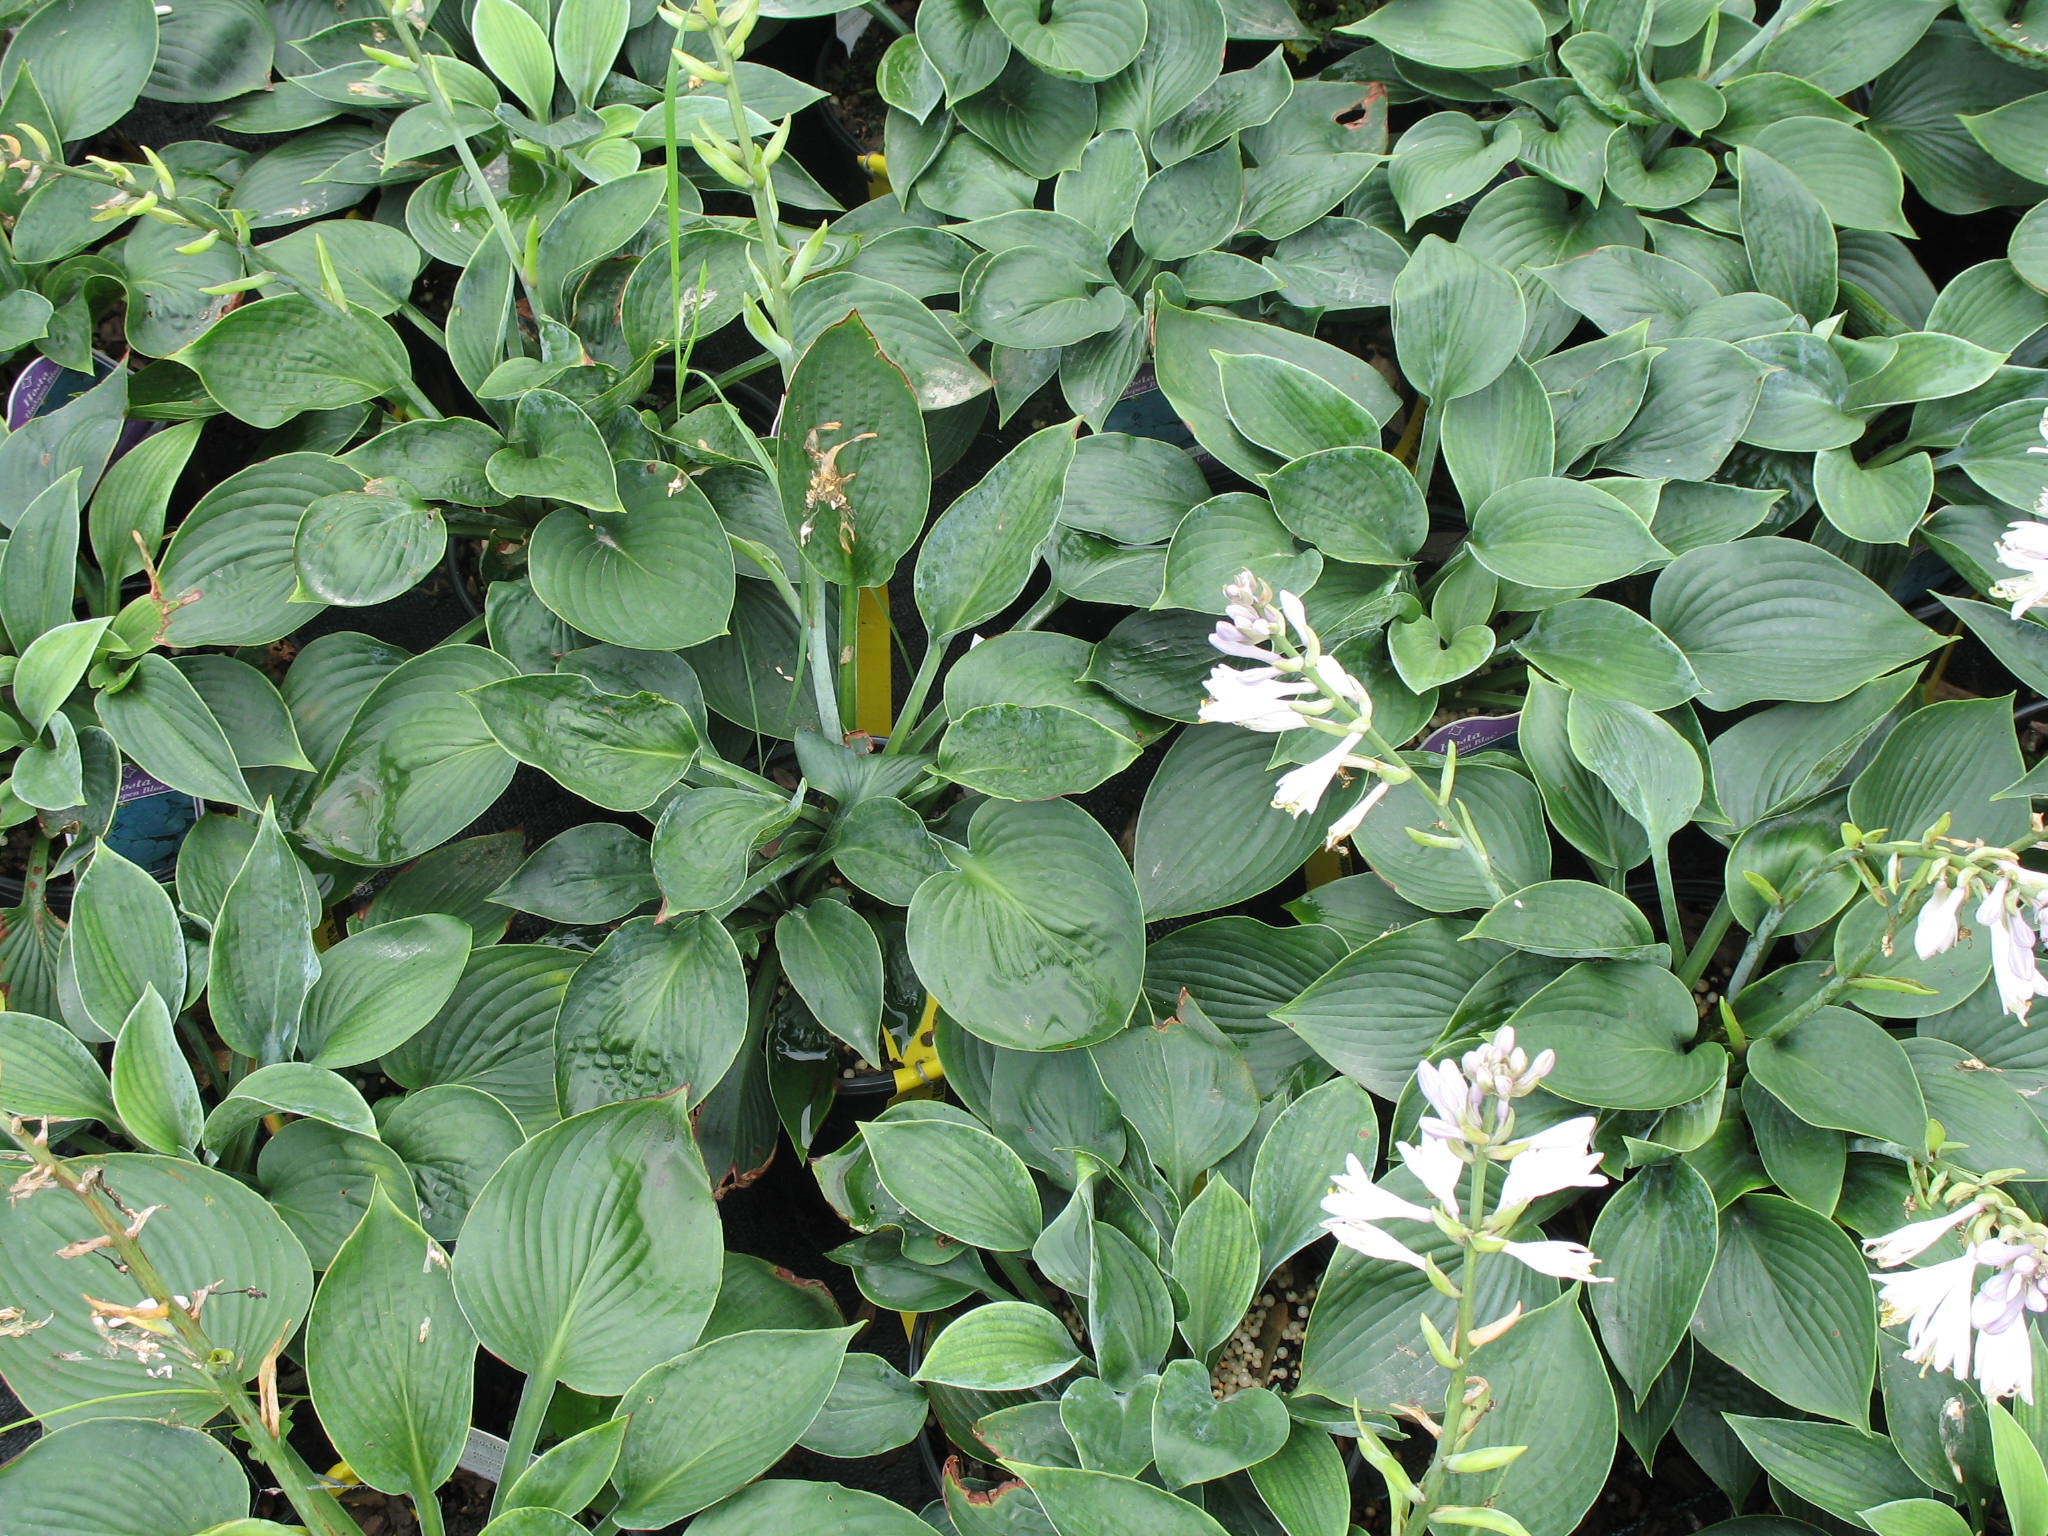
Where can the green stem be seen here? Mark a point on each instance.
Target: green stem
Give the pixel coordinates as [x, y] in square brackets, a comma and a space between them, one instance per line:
[672, 195]
[426, 1509]
[713, 388]
[1048, 604]
[469, 630]
[534, 1397]
[421, 406]
[1456, 1431]
[430, 74]
[913, 701]
[1425, 455]
[426, 327]
[1481, 862]
[1702, 951]
[1667, 896]
[849, 652]
[774, 264]
[195, 1043]
[818, 635]
[1836, 985]
[1739, 60]
[315, 1506]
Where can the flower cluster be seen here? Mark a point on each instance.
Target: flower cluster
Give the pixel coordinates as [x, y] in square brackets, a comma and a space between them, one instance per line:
[1297, 686]
[1952, 1322]
[2012, 906]
[2024, 548]
[1472, 1128]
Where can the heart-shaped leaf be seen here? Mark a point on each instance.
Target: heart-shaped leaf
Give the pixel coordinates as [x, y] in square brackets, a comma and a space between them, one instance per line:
[1196, 1438]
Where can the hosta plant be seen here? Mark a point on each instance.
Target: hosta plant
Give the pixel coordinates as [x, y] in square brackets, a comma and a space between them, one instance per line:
[1572, 366]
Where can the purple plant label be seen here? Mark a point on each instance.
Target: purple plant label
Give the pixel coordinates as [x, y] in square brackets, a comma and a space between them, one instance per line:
[1474, 734]
[30, 390]
[137, 785]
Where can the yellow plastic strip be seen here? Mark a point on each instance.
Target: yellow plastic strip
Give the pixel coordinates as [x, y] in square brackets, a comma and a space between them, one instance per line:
[874, 701]
[1323, 866]
[919, 1062]
[876, 166]
[919, 1073]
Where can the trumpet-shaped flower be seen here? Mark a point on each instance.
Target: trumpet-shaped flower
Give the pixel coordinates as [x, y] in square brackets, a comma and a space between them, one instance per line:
[1916, 1237]
[1937, 929]
[1357, 1206]
[1561, 1157]
[1354, 818]
[1301, 789]
[2014, 965]
[1563, 1261]
[1257, 698]
[1950, 1319]
[2005, 1361]
[1436, 1163]
[2024, 548]
[1934, 1304]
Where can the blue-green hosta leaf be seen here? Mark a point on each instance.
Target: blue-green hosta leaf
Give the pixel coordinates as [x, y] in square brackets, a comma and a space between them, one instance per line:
[718, 1416]
[593, 1253]
[1770, 618]
[1457, 34]
[1789, 1304]
[268, 361]
[1074, 39]
[618, 751]
[389, 1354]
[172, 1478]
[415, 765]
[364, 547]
[658, 1008]
[1035, 940]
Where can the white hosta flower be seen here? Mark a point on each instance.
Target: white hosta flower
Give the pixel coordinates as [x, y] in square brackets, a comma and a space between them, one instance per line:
[1937, 929]
[1438, 1166]
[1916, 1237]
[1564, 1261]
[1561, 1157]
[1258, 698]
[1505, 1068]
[1301, 789]
[1456, 1102]
[2005, 1361]
[1344, 686]
[1353, 819]
[1934, 1303]
[2016, 1290]
[2014, 965]
[2024, 548]
[1357, 1206]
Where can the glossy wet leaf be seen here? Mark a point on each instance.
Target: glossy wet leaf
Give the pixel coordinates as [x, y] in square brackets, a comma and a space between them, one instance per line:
[658, 1008]
[363, 547]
